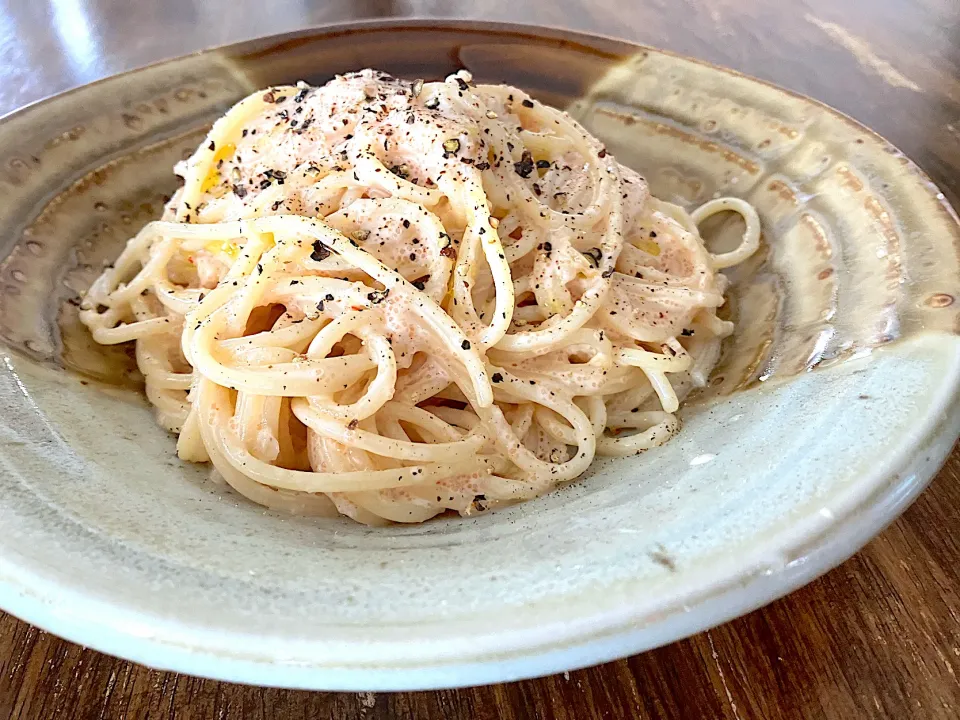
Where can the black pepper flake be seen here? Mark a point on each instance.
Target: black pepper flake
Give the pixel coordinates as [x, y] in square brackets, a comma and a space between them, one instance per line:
[413, 256]
[401, 171]
[378, 296]
[320, 251]
[406, 223]
[525, 166]
[653, 233]
[419, 285]
[593, 255]
[462, 83]
[543, 164]
[328, 297]
[686, 333]
[602, 153]
[527, 103]
[319, 305]
[536, 190]
[465, 345]
[212, 146]
[497, 378]
[451, 147]
[240, 191]
[432, 104]
[352, 425]
[299, 97]
[483, 165]
[259, 269]
[548, 246]
[269, 97]
[606, 273]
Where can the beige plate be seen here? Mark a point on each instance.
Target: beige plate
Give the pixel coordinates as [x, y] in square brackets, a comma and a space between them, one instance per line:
[830, 410]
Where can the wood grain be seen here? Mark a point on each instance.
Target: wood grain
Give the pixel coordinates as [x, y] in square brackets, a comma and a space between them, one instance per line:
[879, 637]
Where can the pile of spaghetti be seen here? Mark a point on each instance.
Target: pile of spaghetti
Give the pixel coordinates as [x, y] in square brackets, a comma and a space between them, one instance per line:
[389, 299]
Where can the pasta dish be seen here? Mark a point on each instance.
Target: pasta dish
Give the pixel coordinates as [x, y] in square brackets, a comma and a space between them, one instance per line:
[389, 299]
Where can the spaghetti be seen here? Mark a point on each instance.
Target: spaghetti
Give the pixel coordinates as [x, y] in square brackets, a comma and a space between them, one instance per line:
[390, 299]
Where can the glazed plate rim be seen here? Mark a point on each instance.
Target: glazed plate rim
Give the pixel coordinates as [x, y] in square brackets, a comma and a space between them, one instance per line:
[808, 547]
[737, 588]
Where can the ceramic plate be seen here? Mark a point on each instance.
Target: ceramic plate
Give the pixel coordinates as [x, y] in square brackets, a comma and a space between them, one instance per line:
[830, 410]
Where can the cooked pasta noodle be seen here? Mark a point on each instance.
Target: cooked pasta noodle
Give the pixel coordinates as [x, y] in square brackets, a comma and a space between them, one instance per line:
[389, 299]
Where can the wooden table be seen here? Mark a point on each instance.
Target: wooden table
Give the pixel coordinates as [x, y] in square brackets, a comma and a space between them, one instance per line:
[877, 637]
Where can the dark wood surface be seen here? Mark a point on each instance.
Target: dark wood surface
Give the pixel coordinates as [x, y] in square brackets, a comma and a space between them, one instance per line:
[879, 637]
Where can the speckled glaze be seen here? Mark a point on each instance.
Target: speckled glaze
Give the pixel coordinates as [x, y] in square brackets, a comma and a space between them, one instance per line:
[830, 410]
